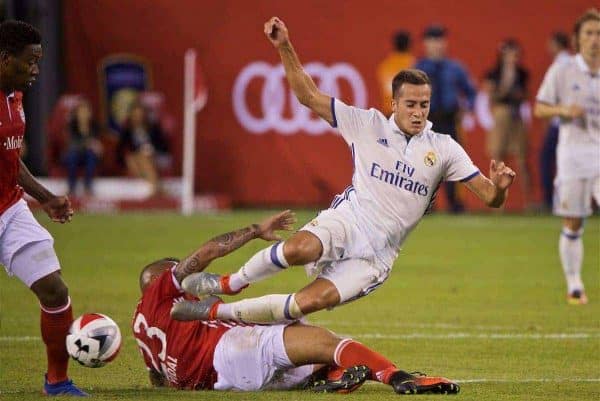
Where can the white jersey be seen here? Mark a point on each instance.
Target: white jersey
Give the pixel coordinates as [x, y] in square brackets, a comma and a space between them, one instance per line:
[578, 151]
[561, 57]
[395, 177]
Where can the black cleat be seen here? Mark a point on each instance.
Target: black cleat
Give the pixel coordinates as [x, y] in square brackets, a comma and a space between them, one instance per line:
[418, 383]
[352, 378]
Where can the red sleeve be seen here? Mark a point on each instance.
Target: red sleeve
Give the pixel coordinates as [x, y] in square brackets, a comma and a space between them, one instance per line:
[147, 360]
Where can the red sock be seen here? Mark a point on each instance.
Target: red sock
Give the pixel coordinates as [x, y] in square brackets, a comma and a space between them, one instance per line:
[350, 353]
[55, 324]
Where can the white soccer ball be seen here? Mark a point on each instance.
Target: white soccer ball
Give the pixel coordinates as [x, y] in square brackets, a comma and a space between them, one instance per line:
[94, 340]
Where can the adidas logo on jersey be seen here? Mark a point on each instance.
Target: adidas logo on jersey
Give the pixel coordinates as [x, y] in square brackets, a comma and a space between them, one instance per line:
[382, 141]
[13, 142]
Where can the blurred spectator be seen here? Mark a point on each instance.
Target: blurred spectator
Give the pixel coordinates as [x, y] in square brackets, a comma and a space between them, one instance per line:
[142, 142]
[450, 84]
[400, 58]
[506, 84]
[558, 46]
[83, 148]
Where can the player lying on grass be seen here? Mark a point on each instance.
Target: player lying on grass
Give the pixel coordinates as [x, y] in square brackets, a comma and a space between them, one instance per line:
[399, 164]
[219, 355]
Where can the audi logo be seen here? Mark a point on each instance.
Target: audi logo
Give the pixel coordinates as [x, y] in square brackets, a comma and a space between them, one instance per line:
[275, 91]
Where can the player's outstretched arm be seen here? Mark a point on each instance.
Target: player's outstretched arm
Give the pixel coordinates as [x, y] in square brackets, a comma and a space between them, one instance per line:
[58, 208]
[226, 243]
[545, 110]
[494, 190]
[301, 83]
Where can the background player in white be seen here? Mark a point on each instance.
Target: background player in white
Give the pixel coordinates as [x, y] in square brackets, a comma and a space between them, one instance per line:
[571, 91]
[399, 164]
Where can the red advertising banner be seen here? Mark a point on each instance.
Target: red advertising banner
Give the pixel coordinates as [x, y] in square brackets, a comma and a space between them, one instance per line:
[254, 142]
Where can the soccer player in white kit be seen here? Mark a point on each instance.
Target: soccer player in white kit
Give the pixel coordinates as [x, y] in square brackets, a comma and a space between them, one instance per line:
[571, 91]
[398, 165]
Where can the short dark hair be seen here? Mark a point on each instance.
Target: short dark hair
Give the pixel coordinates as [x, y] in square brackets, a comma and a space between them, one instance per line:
[402, 41]
[435, 31]
[510, 44]
[561, 39]
[590, 15]
[151, 265]
[15, 35]
[409, 76]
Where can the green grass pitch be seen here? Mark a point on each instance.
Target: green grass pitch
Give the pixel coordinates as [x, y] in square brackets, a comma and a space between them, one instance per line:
[476, 298]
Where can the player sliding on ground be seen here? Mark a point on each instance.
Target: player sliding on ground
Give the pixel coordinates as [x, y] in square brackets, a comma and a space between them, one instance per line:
[399, 164]
[222, 356]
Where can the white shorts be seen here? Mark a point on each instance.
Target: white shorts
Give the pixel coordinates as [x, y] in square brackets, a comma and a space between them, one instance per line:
[252, 358]
[354, 278]
[26, 248]
[348, 260]
[573, 197]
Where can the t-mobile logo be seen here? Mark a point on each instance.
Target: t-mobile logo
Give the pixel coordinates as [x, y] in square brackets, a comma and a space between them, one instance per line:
[13, 142]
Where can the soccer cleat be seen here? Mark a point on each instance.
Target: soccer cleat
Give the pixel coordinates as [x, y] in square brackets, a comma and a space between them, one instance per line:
[418, 383]
[577, 297]
[202, 283]
[65, 387]
[204, 309]
[350, 380]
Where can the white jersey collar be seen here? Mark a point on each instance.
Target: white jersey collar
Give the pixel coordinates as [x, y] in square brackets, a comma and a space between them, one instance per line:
[583, 65]
[397, 129]
[562, 56]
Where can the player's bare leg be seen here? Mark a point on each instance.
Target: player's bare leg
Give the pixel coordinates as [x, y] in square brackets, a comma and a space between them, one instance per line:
[301, 248]
[347, 360]
[570, 246]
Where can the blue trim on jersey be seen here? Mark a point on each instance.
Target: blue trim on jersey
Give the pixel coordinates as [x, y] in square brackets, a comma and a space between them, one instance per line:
[337, 202]
[334, 123]
[274, 258]
[347, 192]
[470, 176]
[429, 207]
[338, 199]
[570, 236]
[286, 308]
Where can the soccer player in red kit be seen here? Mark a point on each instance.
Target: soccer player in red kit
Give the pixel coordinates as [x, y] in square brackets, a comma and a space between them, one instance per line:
[219, 355]
[26, 248]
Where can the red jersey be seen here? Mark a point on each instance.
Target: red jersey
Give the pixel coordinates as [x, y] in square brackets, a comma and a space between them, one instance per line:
[181, 351]
[12, 131]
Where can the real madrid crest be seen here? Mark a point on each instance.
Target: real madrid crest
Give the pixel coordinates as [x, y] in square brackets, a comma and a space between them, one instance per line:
[430, 159]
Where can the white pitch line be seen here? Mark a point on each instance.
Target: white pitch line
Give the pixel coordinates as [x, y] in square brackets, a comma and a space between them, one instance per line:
[449, 326]
[432, 336]
[546, 380]
[488, 336]
[14, 339]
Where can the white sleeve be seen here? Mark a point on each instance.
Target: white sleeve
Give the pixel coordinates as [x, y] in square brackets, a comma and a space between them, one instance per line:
[459, 166]
[350, 120]
[548, 92]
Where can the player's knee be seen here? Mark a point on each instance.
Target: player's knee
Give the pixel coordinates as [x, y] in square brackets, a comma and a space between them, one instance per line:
[51, 290]
[302, 249]
[314, 304]
[573, 224]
